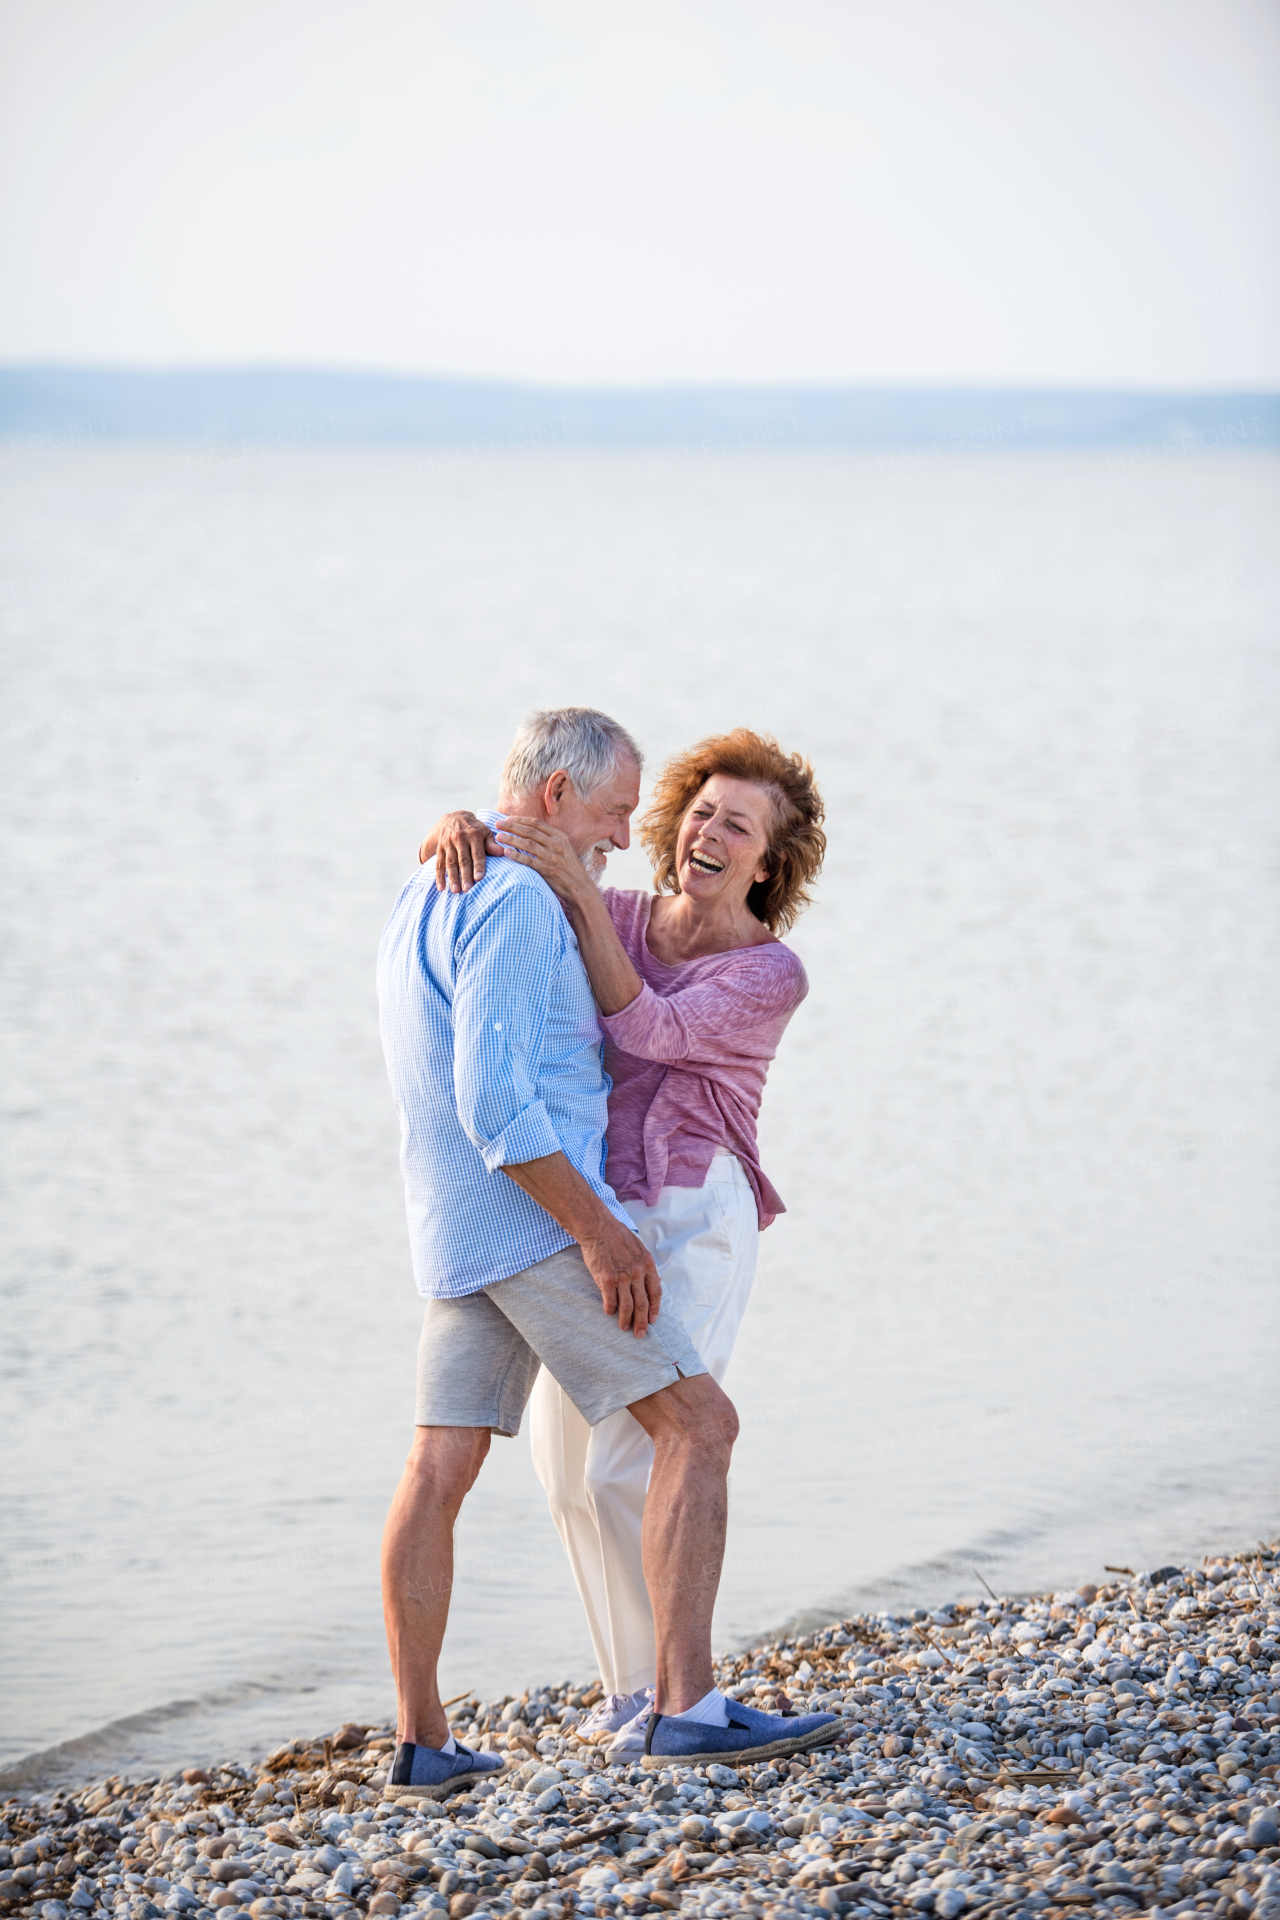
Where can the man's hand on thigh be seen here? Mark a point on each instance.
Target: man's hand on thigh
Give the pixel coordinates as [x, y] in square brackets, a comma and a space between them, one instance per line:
[622, 1267]
[617, 1258]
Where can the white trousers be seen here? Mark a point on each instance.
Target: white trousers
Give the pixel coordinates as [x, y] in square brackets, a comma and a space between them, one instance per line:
[704, 1242]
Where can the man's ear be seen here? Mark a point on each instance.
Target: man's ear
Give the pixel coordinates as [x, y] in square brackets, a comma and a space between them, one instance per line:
[558, 787]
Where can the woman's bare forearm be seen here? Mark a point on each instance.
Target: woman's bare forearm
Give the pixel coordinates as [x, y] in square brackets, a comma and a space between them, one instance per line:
[614, 981]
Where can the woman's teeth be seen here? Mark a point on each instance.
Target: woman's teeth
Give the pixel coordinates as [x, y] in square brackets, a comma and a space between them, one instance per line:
[703, 864]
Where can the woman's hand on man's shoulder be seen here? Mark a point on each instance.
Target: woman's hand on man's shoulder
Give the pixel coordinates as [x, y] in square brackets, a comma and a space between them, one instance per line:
[459, 843]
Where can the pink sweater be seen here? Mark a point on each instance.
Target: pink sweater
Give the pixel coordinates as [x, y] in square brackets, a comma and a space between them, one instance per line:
[688, 1060]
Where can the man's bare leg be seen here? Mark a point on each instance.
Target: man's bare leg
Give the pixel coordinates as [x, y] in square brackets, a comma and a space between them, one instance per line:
[417, 1570]
[693, 1427]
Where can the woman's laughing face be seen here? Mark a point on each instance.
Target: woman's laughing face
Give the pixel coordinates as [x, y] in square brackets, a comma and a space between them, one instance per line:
[723, 848]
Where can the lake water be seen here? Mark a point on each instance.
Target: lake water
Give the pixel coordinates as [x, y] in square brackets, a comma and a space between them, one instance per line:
[1021, 1318]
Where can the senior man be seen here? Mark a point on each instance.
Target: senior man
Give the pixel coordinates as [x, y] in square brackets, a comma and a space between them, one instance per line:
[526, 1257]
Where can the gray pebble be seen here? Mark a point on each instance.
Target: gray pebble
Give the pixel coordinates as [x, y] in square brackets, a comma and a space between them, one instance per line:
[1264, 1828]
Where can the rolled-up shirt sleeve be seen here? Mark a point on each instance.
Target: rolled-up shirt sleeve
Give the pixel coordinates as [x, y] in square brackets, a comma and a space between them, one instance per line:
[505, 970]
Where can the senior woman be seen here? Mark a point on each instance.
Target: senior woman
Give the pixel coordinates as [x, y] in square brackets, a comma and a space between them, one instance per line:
[695, 990]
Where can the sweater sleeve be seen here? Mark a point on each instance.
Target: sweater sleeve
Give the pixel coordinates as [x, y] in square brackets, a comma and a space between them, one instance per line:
[739, 1012]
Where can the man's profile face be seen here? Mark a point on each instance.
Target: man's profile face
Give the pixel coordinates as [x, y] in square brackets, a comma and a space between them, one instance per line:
[595, 826]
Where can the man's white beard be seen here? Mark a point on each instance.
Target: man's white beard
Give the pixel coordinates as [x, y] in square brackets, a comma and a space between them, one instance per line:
[595, 859]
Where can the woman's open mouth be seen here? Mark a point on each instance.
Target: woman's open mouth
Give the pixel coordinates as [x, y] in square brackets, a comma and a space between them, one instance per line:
[703, 863]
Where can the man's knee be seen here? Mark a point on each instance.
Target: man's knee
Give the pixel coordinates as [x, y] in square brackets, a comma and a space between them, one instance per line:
[717, 1421]
[722, 1422]
[444, 1461]
[694, 1414]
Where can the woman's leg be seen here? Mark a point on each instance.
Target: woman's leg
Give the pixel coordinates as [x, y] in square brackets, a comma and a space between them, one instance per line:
[559, 1438]
[704, 1241]
[619, 1461]
[717, 1271]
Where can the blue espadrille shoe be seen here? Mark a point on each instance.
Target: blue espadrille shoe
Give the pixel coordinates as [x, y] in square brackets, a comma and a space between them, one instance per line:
[750, 1735]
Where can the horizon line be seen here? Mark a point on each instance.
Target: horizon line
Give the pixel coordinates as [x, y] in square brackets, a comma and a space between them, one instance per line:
[309, 406]
[640, 387]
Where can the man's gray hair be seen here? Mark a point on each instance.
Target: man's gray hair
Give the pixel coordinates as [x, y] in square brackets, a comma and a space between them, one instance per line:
[587, 744]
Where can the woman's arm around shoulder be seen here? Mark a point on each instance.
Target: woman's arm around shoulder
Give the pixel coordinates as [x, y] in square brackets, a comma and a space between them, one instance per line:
[537, 844]
[625, 906]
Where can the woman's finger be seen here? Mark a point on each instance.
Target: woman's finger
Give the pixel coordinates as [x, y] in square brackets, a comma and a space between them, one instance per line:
[524, 836]
[522, 850]
[539, 851]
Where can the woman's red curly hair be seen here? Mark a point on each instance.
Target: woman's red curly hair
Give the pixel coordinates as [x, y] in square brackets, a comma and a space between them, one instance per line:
[797, 843]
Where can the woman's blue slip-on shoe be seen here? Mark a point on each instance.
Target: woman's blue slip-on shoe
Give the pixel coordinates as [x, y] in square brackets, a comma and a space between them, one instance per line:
[750, 1735]
[428, 1768]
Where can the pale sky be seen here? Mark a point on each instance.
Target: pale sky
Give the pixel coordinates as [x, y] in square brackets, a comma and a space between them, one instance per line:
[1078, 192]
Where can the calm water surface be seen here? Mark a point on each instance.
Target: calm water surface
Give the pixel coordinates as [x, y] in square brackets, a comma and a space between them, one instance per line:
[1021, 1317]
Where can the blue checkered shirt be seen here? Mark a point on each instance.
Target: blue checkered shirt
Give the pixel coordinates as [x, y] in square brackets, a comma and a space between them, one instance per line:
[495, 1056]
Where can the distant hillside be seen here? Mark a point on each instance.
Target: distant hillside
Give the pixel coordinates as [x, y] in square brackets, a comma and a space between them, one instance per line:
[284, 407]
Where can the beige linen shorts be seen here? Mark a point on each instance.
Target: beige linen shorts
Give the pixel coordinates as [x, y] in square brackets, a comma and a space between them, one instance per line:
[479, 1356]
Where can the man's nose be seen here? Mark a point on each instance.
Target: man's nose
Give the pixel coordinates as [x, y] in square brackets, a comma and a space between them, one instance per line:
[621, 836]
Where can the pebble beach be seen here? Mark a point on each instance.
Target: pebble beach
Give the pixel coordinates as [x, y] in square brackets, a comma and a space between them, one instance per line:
[1113, 1747]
